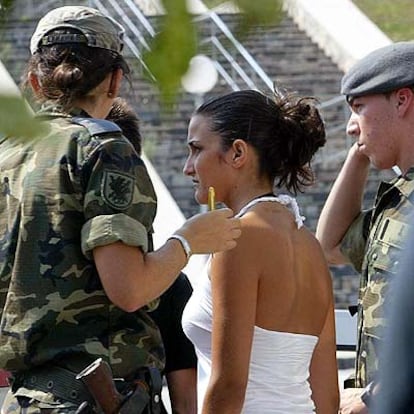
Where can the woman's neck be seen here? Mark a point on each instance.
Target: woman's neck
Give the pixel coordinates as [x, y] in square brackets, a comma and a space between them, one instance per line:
[96, 107]
[246, 198]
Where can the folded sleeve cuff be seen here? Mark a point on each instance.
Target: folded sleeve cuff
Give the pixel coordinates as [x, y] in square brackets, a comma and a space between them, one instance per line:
[106, 229]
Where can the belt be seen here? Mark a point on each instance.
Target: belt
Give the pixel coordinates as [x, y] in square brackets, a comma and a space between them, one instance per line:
[56, 380]
[63, 384]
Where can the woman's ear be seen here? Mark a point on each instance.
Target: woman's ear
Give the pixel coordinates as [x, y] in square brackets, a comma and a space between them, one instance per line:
[240, 151]
[115, 83]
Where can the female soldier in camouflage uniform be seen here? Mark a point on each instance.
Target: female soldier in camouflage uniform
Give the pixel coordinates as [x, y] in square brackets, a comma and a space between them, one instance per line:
[76, 267]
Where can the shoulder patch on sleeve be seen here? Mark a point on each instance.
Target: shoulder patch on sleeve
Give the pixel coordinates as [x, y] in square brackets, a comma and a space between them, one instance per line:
[96, 126]
[117, 189]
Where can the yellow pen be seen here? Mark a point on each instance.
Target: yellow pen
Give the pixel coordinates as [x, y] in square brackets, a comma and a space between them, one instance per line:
[211, 199]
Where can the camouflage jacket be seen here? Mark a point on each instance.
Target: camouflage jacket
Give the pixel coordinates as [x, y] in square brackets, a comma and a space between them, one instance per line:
[373, 244]
[78, 186]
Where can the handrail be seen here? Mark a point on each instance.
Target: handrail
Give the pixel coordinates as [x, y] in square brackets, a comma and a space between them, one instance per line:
[325, 156]
[128, 22]
[226, 76]
[238, 46]
[331, 102]
[128, 41]
[143, 20]
[228, 56]
[233, 62]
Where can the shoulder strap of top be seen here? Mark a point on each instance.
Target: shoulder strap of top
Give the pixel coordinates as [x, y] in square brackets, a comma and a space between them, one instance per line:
[283, 199]
[96, 126]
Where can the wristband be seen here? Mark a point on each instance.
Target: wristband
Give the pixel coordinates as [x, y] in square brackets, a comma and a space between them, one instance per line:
[184, 244]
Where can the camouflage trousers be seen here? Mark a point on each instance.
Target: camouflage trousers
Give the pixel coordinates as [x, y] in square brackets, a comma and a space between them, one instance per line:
[26, 405]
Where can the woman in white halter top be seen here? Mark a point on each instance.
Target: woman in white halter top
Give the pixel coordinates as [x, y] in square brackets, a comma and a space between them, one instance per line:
[261, 316]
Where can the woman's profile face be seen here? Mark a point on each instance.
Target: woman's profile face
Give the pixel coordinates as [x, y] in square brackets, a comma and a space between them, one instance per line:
[206, 162]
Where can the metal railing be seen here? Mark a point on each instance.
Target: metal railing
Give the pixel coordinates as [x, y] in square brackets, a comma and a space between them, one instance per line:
[145, 27]
[253, 72]
[334, 128]
[234, 64]
[141, 28]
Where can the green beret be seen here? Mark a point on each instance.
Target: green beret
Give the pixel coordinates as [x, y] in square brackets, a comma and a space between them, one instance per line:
[383, 70]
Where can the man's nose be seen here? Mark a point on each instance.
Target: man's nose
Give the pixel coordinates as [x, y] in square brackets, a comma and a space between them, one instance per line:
[352, 127]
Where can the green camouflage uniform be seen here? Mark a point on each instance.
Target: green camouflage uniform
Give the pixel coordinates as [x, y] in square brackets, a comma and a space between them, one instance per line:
[373, 244]
[62, 195]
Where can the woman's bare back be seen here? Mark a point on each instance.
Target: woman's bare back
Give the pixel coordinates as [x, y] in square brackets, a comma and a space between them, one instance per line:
[295, 289]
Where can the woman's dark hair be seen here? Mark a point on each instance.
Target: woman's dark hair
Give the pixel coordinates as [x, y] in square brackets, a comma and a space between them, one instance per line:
[285, 130]
[70, 71]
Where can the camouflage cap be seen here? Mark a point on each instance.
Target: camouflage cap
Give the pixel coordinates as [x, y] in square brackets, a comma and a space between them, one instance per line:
[383, 70]
[95, 29]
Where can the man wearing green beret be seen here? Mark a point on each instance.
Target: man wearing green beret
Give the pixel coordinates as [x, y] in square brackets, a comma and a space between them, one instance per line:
[380, 92]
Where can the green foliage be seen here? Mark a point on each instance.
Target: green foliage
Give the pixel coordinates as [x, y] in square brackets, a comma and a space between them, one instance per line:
[17, 119]
[5, 4]
[393, 17]
[172, 49]
[263, 12]
[176, 43]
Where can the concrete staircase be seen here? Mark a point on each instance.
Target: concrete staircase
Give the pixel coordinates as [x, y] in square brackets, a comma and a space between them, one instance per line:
[285, 53]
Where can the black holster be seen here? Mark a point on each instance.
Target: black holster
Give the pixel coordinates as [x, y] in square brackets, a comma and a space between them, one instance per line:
[154, 382]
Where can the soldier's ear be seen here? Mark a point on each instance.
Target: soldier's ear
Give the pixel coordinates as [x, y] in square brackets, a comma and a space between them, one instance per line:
[404, 98]
[115, 83]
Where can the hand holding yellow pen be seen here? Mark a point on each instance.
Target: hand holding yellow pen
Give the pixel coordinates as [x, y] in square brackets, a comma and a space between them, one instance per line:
[211, 199]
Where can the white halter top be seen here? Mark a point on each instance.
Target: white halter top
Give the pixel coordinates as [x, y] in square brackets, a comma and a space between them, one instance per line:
[283, 199]
[279, 363]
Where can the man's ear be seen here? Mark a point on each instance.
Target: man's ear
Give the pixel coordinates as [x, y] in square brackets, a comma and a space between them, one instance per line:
[404, 97]
[34, 82]
[239, 150]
